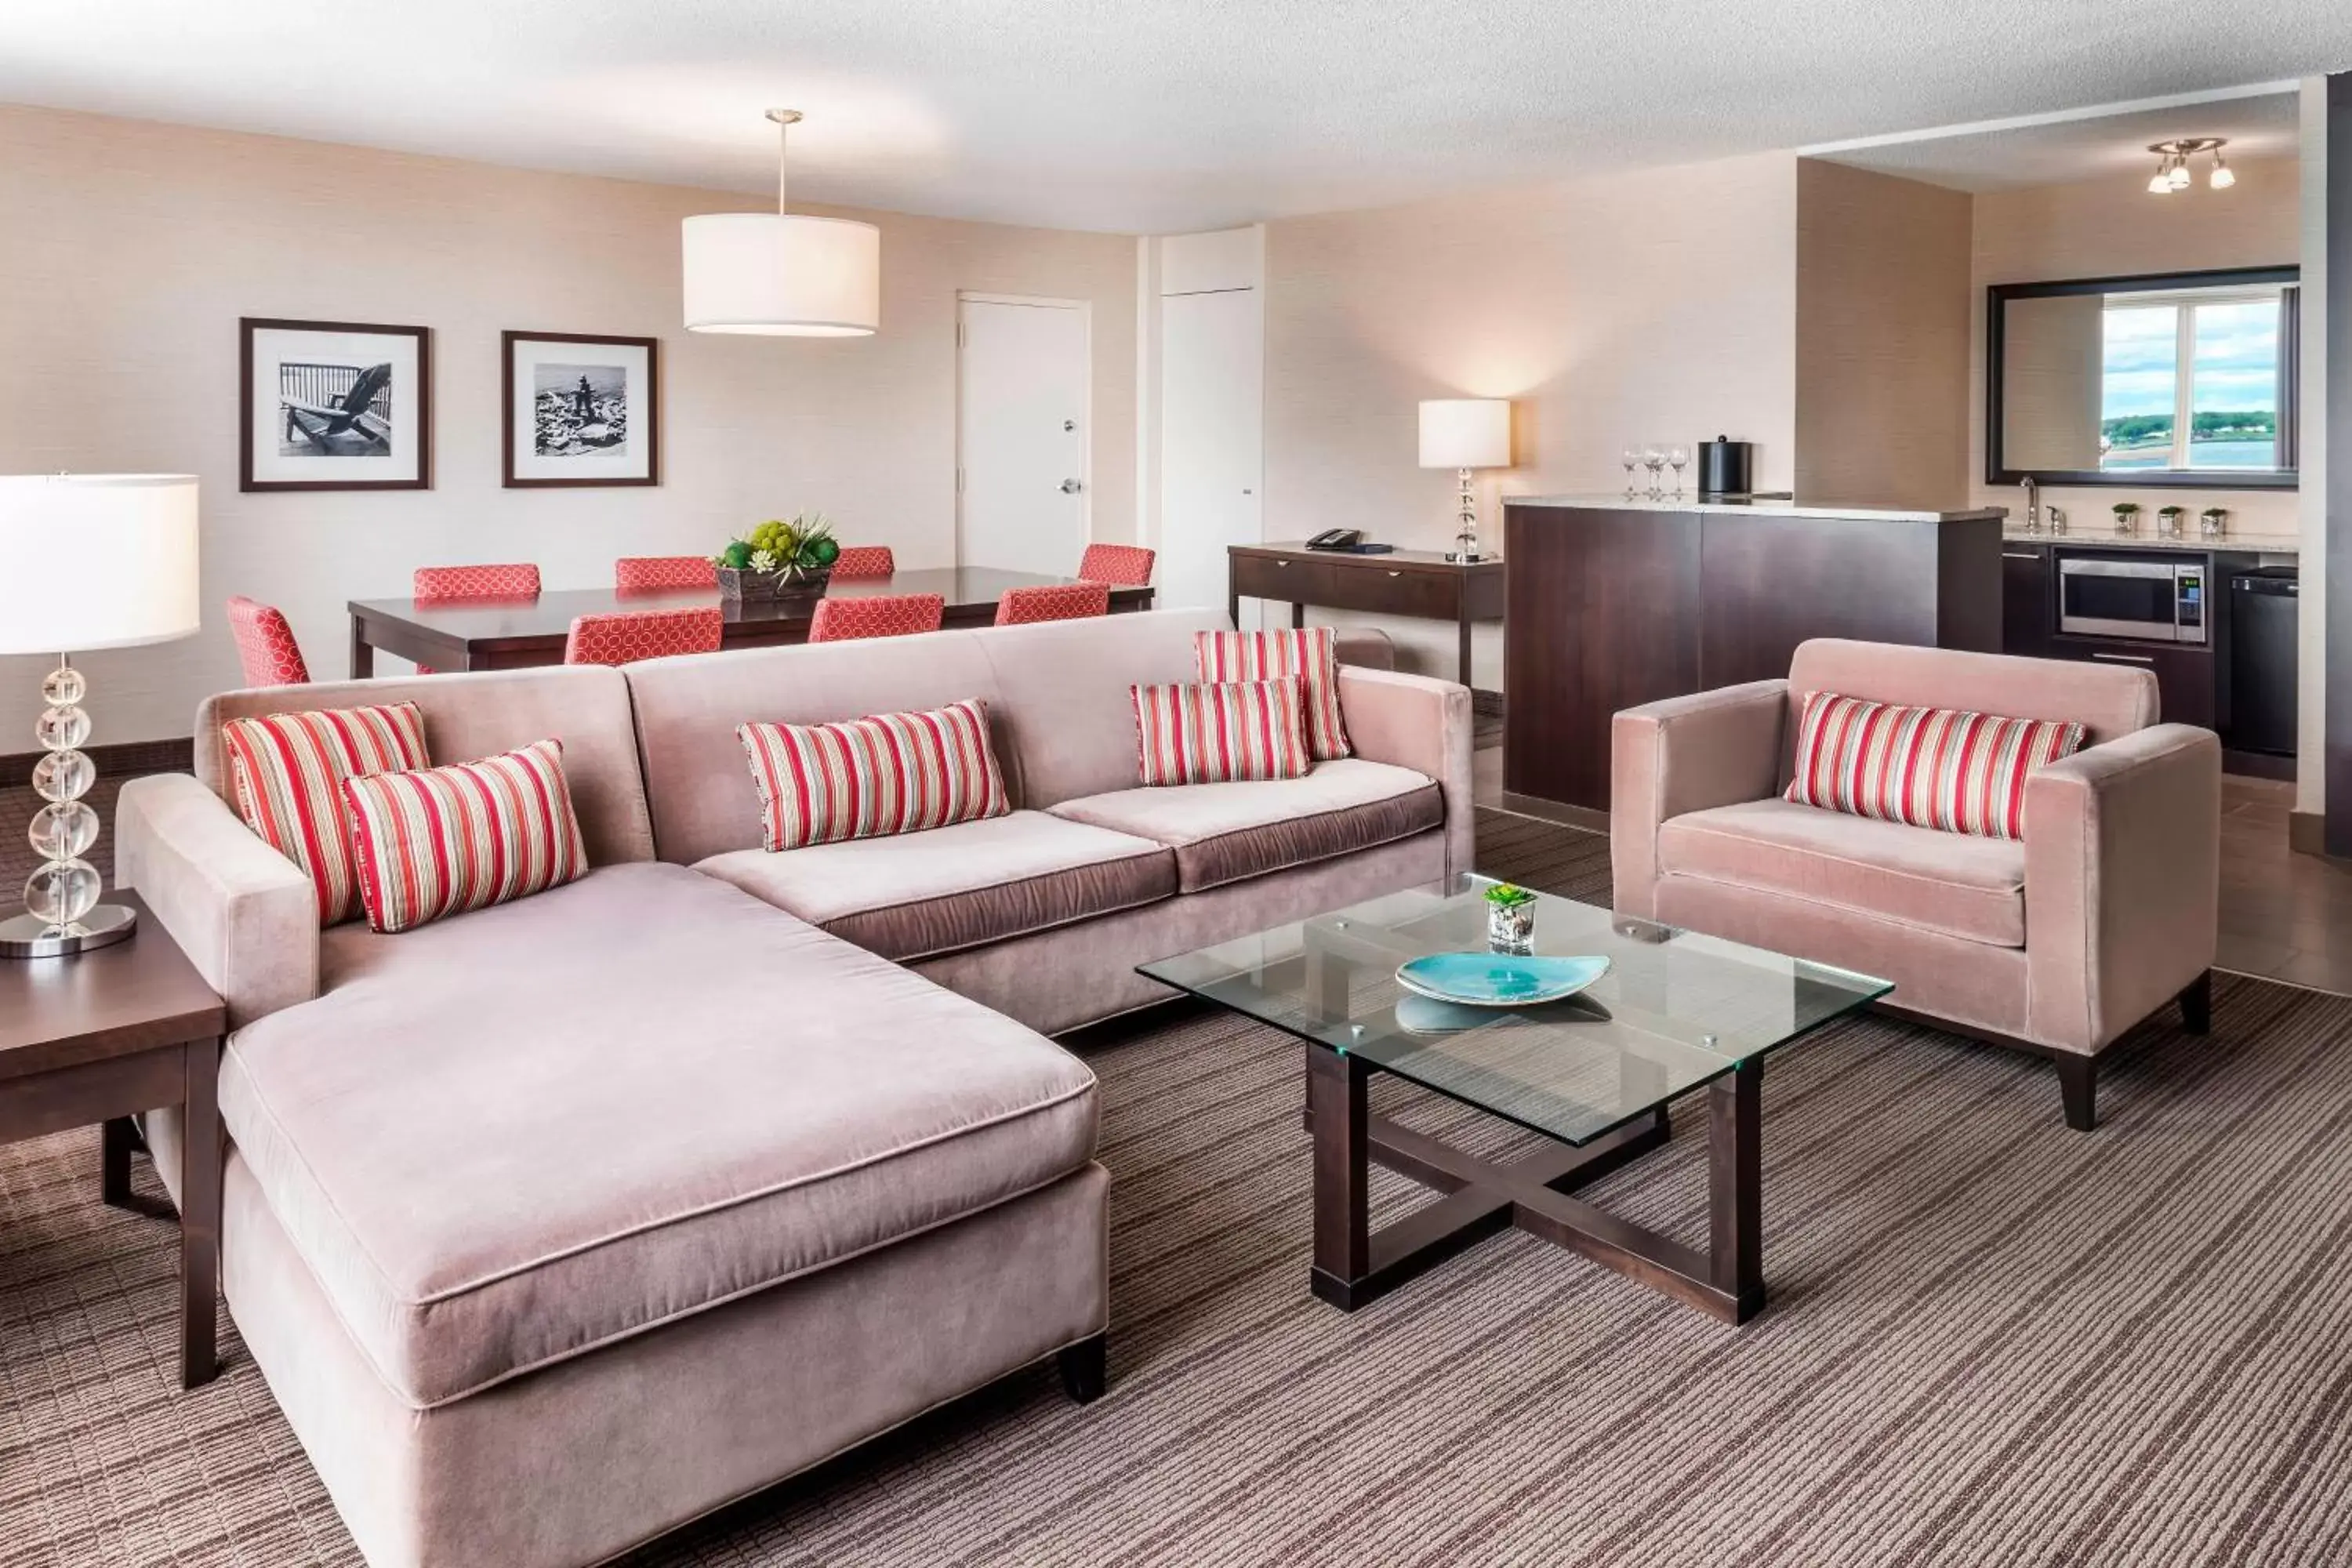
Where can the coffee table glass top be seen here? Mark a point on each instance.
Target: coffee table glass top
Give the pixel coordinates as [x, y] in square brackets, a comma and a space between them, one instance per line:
[1677, 1010]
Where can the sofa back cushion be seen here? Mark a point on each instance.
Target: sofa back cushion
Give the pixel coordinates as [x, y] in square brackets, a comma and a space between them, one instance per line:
[688, 709]
[444, 841]
[288, 771]
[585, 707]
[2107, 699]
[872, 778]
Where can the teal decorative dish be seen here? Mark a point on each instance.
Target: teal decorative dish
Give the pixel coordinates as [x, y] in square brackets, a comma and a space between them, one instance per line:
[1498, 979]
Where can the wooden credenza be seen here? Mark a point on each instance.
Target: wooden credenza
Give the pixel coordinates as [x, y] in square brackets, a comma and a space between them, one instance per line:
[1416, 583]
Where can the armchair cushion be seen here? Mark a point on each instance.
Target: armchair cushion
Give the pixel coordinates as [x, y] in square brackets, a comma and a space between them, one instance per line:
[1955, 884]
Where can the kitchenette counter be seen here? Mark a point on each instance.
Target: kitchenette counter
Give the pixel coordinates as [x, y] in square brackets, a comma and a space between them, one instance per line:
[2108, 539]
[1761, 506]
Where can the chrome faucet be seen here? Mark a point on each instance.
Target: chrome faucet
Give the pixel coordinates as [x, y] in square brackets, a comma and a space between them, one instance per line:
[2032, 505]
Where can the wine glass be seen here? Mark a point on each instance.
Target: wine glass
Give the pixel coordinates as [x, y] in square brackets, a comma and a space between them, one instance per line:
[1678, 458]
[1632, 458]
[1654, 458]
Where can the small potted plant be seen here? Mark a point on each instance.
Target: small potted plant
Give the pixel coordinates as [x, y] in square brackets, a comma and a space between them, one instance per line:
[779, 559]
[2127, 516]
[1510, 919]
[2213, 521]
[2168, 521]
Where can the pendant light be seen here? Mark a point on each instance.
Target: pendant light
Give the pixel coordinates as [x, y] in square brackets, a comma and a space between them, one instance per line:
[783, 275]
[2172, 171]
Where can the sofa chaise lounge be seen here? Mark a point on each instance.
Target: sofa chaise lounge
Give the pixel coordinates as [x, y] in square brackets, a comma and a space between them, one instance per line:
[558, 1224]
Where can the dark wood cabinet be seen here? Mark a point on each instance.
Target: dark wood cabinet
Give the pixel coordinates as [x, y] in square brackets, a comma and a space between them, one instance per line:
[2029, 599]
[2187, 683]
[1614, 607]
[2189, 686]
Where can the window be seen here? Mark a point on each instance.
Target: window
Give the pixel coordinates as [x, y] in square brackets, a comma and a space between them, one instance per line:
[2191, 382]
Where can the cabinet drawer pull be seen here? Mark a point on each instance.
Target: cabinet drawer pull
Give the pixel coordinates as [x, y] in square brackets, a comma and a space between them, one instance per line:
[1282, 563]
[2124, 657]
[2021, 556]
[1396, 574]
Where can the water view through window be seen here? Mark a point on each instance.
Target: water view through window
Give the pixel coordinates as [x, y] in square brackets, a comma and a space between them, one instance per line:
[2206, 369]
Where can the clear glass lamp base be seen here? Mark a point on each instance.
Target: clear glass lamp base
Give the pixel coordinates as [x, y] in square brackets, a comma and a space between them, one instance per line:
[29, 936]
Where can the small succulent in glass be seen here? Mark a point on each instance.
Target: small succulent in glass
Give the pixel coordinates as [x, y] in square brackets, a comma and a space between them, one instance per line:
[1510, 919]
[2168, 520]
[2127, 516]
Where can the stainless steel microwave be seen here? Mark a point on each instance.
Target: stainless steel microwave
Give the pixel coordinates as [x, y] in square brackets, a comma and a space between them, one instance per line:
[2147, 598]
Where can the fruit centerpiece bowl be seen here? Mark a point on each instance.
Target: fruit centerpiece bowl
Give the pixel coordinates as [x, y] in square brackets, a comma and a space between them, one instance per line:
[779, 559]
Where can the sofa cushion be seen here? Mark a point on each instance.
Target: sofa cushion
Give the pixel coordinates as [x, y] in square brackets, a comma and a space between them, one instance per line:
[919, 895]
[435, 842]
[865, 778]
[1226, 832]
[1952, 883]
[288, 770]
[1310, 653]
[1219, 732]
[503, 1140]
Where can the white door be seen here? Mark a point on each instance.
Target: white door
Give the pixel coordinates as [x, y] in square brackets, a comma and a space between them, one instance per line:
[1212, 440]
[1022, 433]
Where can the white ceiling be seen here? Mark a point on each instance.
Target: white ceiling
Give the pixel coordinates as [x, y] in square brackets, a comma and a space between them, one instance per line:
[1131, 115]
[2069, 151]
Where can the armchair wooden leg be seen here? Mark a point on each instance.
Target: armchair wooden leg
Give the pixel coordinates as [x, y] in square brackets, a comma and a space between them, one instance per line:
[1085, 1368]
[2197, 1004]
[2078, 1084]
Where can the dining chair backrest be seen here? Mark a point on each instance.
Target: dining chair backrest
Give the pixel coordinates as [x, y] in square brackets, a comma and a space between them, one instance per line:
[1120, 565]
[632, 572]
[879, 615]
[1057, 601]
[512, 581]
[624, 636]
[865, 560]
[266, 645]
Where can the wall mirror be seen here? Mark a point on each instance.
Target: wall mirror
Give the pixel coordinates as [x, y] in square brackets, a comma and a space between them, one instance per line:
[2173, 379]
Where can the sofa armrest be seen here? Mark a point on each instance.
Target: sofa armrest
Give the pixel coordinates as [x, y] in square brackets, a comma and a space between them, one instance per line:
[1681, 756]
[2123, 852]
[246, 916]
[1417, 722]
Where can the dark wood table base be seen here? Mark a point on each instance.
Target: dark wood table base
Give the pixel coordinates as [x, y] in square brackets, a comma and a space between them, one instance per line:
[1355, 1264]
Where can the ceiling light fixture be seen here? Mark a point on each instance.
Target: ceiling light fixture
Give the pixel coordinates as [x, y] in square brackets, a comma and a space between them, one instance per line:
[2172, 172]
[785, 275]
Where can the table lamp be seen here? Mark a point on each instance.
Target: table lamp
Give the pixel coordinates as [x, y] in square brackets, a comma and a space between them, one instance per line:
[86, 560]
[1465, 434]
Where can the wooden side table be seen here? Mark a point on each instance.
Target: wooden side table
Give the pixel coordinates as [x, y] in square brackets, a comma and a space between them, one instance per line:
[1401, 583]
[99, 1036]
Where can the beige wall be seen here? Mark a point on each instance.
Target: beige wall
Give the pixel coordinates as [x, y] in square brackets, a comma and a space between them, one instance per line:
[1882, 338]
[2113, 227]
[127, 252]
[1656, 306]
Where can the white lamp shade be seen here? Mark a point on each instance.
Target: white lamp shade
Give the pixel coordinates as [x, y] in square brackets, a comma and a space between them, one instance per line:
[1465, 433]
[783, 275]
[92, 561]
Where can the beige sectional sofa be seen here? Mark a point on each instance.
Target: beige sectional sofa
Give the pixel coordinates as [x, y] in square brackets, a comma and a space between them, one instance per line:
[556, 1225]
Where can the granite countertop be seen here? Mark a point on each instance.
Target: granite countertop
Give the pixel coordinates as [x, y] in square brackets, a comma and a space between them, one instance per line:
[1759, 507]
[2106, 538]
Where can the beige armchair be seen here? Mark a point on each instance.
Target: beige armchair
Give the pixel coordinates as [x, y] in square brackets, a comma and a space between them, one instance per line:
[2059, 943]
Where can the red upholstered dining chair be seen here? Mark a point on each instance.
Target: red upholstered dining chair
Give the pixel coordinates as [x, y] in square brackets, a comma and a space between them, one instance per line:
[865, 560]
[880, 616]
[266, 645]
[1120, 565]
[515, 580]
[1060, 602]
[634, 573]
[624, 636]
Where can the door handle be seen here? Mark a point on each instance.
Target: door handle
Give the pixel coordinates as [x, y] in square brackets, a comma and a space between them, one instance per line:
[2021, 556]
[2124, 657]
[1071, 487]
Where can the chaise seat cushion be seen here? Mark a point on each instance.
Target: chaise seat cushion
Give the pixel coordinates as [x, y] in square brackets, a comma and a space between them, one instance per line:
[912, 895]
[1229, 832]
[503, 1140]
[1952, 883]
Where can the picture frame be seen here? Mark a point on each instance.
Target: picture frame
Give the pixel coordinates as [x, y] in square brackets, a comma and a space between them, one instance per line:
[580, 409]
[333, 405]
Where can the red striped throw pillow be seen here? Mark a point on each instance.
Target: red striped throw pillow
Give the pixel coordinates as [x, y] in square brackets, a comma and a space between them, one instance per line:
[1310, 653]
[289, 769]
[441, 841]
[872, 777]
[1220, 732]
[1930, 767]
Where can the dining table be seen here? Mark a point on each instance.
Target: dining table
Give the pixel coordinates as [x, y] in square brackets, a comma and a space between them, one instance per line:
[518, 632]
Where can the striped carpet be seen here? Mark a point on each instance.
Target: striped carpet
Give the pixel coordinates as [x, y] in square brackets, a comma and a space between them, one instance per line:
[1991, 1341]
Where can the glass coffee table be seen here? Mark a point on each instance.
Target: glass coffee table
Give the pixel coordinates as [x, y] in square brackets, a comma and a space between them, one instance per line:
[1677, 1011]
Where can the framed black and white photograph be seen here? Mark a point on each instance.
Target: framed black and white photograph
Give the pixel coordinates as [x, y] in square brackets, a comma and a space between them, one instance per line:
[581, 410]
[334, 406]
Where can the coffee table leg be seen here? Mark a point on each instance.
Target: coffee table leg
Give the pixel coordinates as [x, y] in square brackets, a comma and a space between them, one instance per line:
[1735, 1170]
[1336, 1109]
[200, 1214]
[116, 1139]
